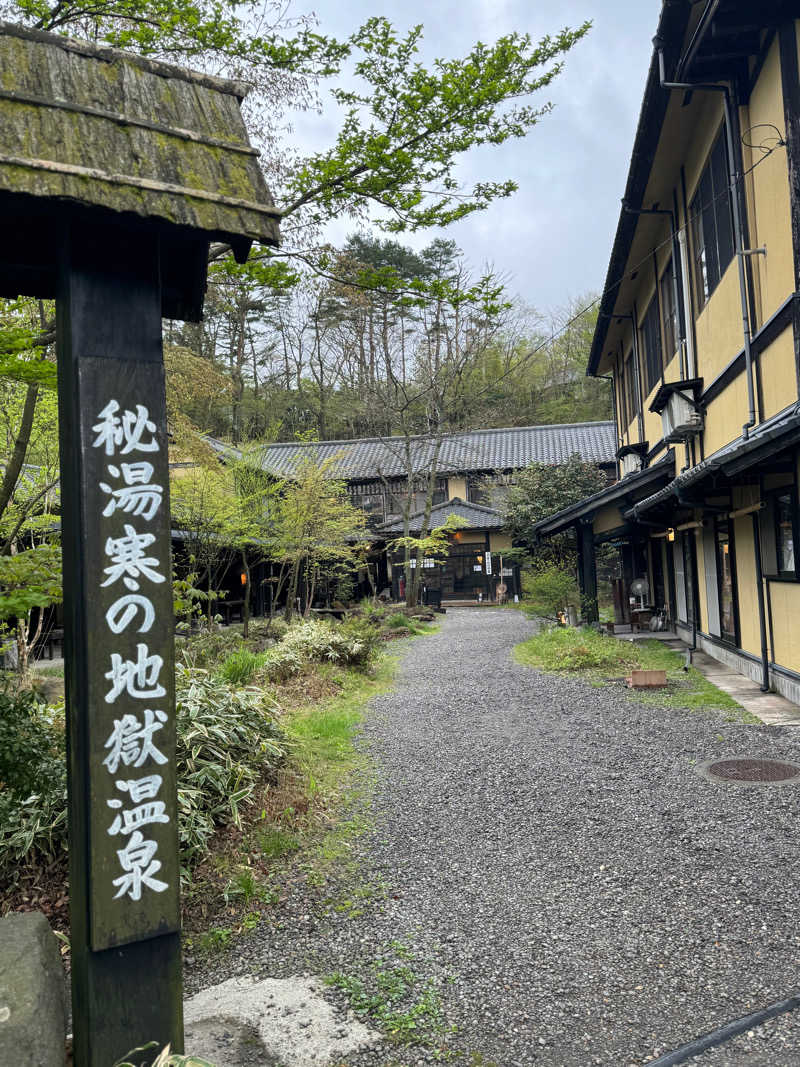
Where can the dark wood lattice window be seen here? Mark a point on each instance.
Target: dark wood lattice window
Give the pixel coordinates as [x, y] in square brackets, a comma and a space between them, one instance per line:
[650, 334]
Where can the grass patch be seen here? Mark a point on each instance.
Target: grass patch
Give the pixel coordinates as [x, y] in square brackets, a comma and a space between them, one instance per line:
[564, 648]
[596, 656]
[395, 997]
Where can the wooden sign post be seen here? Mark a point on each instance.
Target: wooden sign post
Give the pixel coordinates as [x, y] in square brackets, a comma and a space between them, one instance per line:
[110, 193]
[119, 662]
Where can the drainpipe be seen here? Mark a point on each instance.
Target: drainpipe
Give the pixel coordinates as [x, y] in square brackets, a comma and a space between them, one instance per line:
[676, 260]
[733, 180]
[762, 621]
[687, 305]
[674, 237]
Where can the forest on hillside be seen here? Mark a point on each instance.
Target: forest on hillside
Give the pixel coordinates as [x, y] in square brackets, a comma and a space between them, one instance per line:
[379, 340]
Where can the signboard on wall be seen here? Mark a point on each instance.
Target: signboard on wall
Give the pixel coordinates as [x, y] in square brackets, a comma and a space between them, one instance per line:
[488, 562]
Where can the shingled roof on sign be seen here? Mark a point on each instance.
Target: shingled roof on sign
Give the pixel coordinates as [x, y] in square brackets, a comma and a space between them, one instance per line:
[469, 450]
[95, 128]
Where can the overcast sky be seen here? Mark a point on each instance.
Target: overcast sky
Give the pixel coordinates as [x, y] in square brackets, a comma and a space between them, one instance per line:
[553, 237]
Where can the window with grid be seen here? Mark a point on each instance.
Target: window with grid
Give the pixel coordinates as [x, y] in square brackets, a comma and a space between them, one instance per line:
[369, 496]
[631, 392]
[650, 333]
[669, 312]
[712, 224]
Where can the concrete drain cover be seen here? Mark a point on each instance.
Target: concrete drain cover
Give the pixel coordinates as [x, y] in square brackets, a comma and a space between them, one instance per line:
[748, 770]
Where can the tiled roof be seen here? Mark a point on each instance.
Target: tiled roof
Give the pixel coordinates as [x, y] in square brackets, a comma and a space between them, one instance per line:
[474, 515]
[623, 490]
[472, 450]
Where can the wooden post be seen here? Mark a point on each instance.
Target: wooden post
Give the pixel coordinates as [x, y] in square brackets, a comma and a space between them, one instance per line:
[587, 572]
[118, 645]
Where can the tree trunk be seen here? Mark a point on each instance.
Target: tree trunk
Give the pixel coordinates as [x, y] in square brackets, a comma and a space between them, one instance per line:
[23, 648]
[291, 594]
[246, 604]
[17, 460]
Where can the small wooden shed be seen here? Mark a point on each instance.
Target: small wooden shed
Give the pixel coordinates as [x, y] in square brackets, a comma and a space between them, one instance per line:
[91, 129]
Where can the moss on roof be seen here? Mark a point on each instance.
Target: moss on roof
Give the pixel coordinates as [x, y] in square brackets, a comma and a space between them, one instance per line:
[117, 131]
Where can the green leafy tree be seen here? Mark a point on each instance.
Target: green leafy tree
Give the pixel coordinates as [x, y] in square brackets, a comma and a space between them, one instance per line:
[404, 128]
[542, 489]
[204, 509]
[30, 568]
[434, 544]
[316, 533]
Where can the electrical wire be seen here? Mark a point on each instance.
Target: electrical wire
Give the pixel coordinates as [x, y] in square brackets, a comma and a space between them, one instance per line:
[632, 270]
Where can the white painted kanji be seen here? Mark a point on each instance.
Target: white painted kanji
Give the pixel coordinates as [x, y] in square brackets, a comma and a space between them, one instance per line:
[136, 860]
[129, 561]
[124, 430]
[124, 610]
[148, 810]
[139, 677]
[139, 496]
[131, 741]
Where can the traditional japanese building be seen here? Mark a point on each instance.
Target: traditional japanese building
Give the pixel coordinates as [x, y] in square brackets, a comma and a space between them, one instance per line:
[699, 328]
[389, 477]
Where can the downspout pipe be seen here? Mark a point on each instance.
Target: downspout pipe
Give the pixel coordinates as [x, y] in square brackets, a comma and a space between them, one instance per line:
[733, 181]
[675, 263]
[610, 378]
[762, 620]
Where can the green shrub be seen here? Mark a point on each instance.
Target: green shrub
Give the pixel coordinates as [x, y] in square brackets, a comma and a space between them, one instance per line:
[351, 643]
[208, 650]
[30, 746]
[33, 779]
[280, 663]
[241, 666]
[227, 738]
[550, 589]
[362, 641]
[263, 631]
[397, 621]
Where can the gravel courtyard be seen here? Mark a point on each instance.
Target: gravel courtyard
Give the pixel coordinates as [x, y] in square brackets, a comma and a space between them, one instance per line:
[551, 859]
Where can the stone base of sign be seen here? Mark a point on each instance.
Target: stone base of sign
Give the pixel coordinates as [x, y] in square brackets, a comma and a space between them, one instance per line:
[276, 1022]
[33, 994]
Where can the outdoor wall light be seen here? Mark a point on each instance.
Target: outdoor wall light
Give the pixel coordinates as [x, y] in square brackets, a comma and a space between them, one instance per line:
[671, 534]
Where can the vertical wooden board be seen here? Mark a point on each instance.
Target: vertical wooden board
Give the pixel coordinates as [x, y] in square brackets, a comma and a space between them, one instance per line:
[134, 868]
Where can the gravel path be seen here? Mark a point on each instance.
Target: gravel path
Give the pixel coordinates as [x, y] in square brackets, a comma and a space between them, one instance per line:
[575, 891]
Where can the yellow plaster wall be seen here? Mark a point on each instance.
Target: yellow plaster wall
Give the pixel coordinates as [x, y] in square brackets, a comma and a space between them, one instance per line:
[778, 374]
[785, 598]
[770, 213]
[652, 421]
[457, 486]
[632, 432]
[499, 542]
[746, 589]
[607, 519]
[725, 416]
[718, 327]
